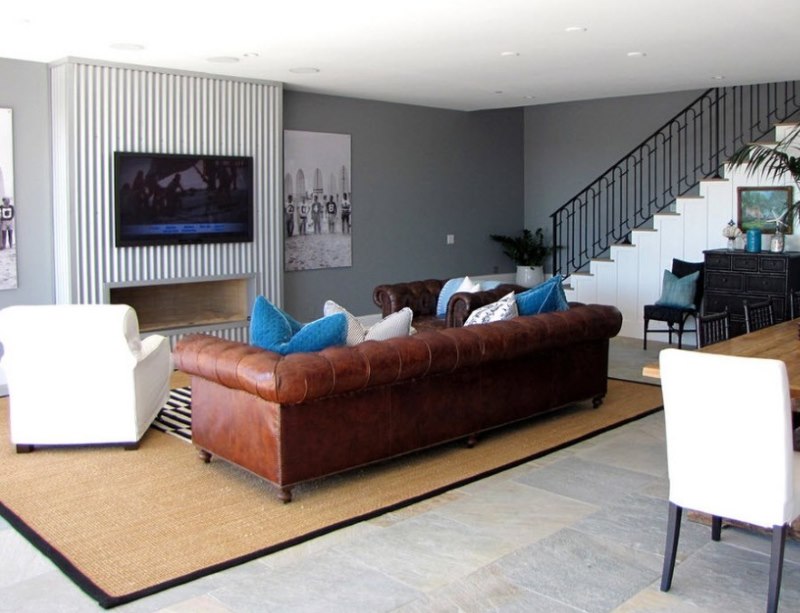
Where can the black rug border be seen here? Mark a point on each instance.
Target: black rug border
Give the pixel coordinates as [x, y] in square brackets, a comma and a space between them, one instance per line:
[654, 383]
[107, 601]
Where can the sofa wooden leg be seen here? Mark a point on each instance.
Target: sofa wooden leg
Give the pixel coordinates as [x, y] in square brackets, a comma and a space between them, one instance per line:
[472, 440]
[24, 448]
[131, 446]
[285, 495]
[597, 400]
[204, 455]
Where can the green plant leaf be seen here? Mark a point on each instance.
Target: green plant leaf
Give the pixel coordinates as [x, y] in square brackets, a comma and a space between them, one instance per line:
[525, 250]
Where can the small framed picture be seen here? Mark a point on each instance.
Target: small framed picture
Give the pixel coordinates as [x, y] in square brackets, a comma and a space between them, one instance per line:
[761, 207]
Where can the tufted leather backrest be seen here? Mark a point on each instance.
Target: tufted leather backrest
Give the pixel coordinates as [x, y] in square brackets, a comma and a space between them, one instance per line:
[301, 377]
[420, 296]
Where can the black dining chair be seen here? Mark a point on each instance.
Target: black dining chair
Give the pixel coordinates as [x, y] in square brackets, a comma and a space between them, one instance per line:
[758, 315]
[676, 317]
[794, 303]
[713, 328]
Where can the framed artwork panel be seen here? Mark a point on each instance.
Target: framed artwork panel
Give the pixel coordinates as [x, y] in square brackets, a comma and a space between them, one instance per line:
[760, 207]
[317, 200]
[8, 204]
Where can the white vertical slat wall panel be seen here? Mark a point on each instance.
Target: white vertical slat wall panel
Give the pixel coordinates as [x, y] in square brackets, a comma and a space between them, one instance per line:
[99, 109]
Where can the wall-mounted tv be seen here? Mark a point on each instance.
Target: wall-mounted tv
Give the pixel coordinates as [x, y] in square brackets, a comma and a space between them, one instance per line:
[167, 199]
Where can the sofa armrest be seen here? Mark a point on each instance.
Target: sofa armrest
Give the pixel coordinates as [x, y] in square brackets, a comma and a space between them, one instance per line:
[420, 296]
[462, 304]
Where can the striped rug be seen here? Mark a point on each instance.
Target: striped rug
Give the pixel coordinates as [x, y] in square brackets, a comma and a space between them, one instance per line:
[175, 417]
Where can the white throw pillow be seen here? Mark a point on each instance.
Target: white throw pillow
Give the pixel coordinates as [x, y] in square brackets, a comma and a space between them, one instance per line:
[355, 330]
[391, 326]
[505, 308]
[395, 324]
[468, 285]
[452, 286]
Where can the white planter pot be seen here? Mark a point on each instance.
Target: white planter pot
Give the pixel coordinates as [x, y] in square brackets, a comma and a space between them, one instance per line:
[528, 276]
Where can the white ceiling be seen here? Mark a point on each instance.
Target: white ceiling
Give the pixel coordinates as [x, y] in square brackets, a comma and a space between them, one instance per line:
[439, 53]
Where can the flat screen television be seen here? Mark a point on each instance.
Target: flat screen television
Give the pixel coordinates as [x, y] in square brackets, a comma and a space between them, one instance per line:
[168, 199]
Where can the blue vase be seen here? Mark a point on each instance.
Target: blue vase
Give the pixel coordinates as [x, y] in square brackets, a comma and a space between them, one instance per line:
[753, 243]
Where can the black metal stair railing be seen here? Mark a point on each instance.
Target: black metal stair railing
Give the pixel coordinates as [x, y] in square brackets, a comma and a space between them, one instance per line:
[690, 147]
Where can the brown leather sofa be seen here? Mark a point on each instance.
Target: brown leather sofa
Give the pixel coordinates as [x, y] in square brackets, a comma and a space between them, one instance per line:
[294, 418]
[423, 296]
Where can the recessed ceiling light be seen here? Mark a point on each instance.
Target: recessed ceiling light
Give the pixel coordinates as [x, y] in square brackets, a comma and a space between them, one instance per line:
[574, 29]
[304, 70]
[251, 54]
[529, 97]
[637, 54]
[127, 46]
[509, 53]
[223, 59]
[718, 77]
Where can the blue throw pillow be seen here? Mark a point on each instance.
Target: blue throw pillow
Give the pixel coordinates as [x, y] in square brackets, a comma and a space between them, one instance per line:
[328, 331]
[448, 289]
[274, 330]
[678, 292]
[545, 297]
[293, 323]
[269, 327]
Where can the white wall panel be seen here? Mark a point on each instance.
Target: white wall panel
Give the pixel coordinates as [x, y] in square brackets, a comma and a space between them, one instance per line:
[99, 109]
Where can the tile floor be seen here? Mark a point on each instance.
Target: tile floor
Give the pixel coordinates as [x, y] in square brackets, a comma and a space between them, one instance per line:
[579, 530]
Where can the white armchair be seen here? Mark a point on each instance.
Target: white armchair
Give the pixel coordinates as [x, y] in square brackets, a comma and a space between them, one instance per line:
[80, 374]
[729, 448]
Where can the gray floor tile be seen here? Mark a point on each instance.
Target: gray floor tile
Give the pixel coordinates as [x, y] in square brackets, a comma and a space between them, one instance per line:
[427, 551]
[633, 449]
[19, 561]
[326, 582]
[486, 590]
[640, 522]
[580, 570]
[592, 482]
[51, 592]
[515, 513]
[200, 604]
[722, 577]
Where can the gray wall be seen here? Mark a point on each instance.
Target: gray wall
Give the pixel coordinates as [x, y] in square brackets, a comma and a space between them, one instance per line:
[25, 91]
[569, 145]
[418, 175]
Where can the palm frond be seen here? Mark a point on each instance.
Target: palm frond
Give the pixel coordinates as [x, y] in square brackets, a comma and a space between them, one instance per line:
[770, 160]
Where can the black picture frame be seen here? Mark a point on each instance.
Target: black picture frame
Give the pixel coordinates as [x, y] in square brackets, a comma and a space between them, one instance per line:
[758, 207]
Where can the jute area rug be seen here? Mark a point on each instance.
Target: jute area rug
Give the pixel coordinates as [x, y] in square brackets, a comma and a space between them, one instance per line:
[125, 524]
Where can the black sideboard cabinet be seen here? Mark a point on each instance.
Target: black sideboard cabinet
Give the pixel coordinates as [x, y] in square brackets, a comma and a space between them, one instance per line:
[734, 276]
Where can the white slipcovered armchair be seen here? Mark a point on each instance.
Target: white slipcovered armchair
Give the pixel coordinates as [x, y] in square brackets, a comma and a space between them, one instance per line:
[80, 374]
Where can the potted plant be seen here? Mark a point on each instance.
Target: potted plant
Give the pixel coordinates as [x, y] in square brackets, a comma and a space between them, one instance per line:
[774, 162]
[528, 252]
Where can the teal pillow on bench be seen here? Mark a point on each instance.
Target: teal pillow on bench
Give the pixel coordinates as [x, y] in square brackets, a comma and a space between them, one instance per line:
[678, 292]
[274, 330]
[545, 297]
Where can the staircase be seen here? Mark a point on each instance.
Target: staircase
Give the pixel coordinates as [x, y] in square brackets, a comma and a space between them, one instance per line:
[630, 277]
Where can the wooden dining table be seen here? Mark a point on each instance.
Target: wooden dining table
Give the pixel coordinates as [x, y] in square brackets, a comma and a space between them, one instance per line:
[779, 342]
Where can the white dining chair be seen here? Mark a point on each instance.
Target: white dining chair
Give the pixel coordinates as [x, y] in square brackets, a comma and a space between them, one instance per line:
[729, 448]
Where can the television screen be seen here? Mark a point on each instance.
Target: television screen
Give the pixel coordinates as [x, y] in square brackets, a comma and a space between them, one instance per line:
[166, 199]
